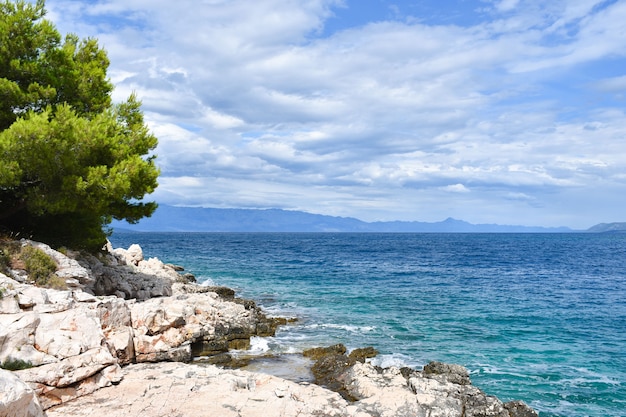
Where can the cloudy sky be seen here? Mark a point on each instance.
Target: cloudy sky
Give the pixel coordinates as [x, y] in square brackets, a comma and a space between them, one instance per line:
[490, 111]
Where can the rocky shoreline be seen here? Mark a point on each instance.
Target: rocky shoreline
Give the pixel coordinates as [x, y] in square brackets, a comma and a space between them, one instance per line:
[120, 339]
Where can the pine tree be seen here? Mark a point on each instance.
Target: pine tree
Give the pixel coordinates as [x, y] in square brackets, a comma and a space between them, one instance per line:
[70, 160]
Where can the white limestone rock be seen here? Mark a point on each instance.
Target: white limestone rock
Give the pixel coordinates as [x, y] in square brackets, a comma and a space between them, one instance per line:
[388, 393]
[69, 333]
[69, 370]
[131, 256]
[115, 321]
[17, 339]
[165, 328]
[167, 389]
[51, 395]
[9, 303]
[17, 399]
[10, 299]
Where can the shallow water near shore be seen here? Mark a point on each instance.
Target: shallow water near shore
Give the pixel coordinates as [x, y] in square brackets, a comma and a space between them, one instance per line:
[291, 366]
[536, 317]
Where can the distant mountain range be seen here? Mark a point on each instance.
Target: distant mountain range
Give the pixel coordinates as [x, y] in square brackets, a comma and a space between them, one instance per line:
[608, 228]
[193, 219]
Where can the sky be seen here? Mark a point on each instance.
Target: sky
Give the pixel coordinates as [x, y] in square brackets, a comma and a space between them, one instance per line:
[489, 111]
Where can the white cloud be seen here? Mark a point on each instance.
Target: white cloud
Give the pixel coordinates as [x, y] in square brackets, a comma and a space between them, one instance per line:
[399, 119]
[506, 5]
[456, 188]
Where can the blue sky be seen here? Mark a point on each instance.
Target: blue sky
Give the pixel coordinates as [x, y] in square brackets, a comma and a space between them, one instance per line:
[490, 111]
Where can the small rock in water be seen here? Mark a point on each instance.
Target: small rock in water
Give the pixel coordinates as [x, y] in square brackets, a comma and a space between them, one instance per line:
[456, 374]
[320, 352]
[361, 354]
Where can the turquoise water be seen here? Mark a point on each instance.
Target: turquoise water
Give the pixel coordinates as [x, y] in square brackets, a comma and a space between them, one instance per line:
[536, 317]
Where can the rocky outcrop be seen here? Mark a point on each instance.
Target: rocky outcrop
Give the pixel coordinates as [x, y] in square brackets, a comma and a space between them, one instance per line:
[439, 390]
[330, 365]
[126, 274]
[58, 335]
[73, 342]
[197, 323]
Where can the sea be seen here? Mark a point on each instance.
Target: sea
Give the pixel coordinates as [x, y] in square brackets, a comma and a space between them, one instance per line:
[534, 317]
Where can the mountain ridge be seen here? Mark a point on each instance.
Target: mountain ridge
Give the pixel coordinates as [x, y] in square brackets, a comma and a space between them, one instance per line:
[200, 219]
[616, 227]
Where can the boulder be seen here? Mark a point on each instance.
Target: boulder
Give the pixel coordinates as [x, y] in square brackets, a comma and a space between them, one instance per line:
[131, 256]
[51, 395]
[69, 370]
[330, 368]
[116, 324]
[68, 333]
[17, 399]
[9, 303]
[17, 339]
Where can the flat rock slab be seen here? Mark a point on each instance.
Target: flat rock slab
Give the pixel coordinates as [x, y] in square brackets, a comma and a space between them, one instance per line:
[175, 389]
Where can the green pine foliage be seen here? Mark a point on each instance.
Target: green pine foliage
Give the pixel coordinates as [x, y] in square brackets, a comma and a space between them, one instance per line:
[70, 160]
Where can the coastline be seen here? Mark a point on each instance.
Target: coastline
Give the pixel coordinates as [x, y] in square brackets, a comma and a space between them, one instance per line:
[152, 321]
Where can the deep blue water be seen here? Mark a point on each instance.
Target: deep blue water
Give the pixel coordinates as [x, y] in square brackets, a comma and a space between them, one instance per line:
[536, 317]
